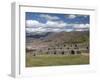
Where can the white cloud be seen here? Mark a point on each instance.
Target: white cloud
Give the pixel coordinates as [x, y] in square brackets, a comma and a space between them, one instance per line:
[36, 24]
[33, 24]
[48, 17]
[39, 29]
[72, 16]
[85, 16]
[54, 26]
[81, 30]
[80, 26]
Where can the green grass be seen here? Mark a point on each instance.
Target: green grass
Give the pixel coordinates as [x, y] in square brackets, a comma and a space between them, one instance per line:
[54, 60]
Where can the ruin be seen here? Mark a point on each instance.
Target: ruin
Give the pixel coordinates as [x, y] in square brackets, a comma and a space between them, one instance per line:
[73, 49]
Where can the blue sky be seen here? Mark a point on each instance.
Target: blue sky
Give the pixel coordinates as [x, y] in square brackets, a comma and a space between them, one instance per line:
[49, 22]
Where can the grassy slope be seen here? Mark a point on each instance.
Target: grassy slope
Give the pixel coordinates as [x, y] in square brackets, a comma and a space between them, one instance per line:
[54, 60]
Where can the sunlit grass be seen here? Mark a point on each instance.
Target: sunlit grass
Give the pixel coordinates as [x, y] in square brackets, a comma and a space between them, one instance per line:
[55, 60]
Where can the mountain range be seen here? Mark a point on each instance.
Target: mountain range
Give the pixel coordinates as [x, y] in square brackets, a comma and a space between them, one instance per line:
[68, 37]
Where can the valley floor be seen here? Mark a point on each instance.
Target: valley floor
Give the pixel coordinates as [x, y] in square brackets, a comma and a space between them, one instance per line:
[56, 60]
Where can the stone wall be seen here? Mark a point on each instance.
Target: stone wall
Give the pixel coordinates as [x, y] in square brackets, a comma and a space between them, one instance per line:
[61, 50]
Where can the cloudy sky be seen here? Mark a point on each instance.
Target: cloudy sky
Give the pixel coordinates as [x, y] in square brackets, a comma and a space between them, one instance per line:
[49, 22]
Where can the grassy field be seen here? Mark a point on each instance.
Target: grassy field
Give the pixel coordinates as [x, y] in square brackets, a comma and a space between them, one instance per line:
[54, 60]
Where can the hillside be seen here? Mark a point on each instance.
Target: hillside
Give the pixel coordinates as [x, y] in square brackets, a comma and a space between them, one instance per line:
[52, 38]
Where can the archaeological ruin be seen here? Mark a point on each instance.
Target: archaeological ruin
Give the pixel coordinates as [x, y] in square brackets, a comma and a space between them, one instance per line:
[68, 49]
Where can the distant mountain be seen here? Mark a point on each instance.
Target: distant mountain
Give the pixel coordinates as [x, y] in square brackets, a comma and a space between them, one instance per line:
[38, 35]
[52, 38]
